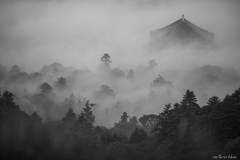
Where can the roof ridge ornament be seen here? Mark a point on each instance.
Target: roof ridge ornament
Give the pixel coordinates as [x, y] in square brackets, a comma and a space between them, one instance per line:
[183, 18]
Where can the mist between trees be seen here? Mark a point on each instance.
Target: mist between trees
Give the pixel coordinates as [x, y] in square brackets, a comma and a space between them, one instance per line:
[69, 113]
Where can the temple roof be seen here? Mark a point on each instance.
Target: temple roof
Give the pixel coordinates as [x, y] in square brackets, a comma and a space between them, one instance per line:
[180, 30]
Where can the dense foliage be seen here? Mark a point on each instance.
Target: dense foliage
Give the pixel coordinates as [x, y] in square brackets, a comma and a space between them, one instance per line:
[184, 131]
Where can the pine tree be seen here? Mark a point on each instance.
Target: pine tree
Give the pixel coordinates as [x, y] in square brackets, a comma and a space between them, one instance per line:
[70, 117]
[165, 120]
[7, 99]
[124, 117]
[226, 117]
[86, 117]
[213, 101]
[81, 119]
[105, 59]
[189, 101]
[137, 136]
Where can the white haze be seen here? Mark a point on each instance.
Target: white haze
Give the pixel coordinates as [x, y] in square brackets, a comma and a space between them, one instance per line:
[77, 33]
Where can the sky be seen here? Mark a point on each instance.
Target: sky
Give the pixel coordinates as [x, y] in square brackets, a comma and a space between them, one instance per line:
[77, 33]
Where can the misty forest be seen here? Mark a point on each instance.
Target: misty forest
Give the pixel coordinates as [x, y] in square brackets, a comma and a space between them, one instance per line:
[93, 84]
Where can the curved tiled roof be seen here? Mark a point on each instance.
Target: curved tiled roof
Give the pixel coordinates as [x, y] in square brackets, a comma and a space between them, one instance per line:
[180, 32]
[169, 28]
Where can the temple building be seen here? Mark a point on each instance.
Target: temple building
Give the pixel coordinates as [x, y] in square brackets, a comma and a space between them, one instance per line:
[181, 33]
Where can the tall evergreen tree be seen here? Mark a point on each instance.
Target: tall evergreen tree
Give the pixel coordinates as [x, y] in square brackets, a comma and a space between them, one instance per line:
[70, 117]
[137, 136]
[189, 101]
[87, 111]
[7, 99]
[226, 117]
[165, 120]
[86, 117]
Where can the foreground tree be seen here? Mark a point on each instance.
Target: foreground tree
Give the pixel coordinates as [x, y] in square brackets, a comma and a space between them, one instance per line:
[165, 120]
[189, 101]
[226, 117]
[86, 117]
[137, 136]
[7, 100]
[213, 101]
[70, 117]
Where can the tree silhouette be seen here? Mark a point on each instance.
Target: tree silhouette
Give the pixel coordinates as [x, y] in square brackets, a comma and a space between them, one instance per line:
[124, 117]
[226, 117]
[86, 116]
[7, 99]
[45, 88]
[105, 62]
[213, 100]
[104, 91]
[165, 120]
[189, 101]
[137, 136]
[70, 117]
[160, 81]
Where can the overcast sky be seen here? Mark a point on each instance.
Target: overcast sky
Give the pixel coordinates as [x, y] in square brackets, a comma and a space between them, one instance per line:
[77, 33]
